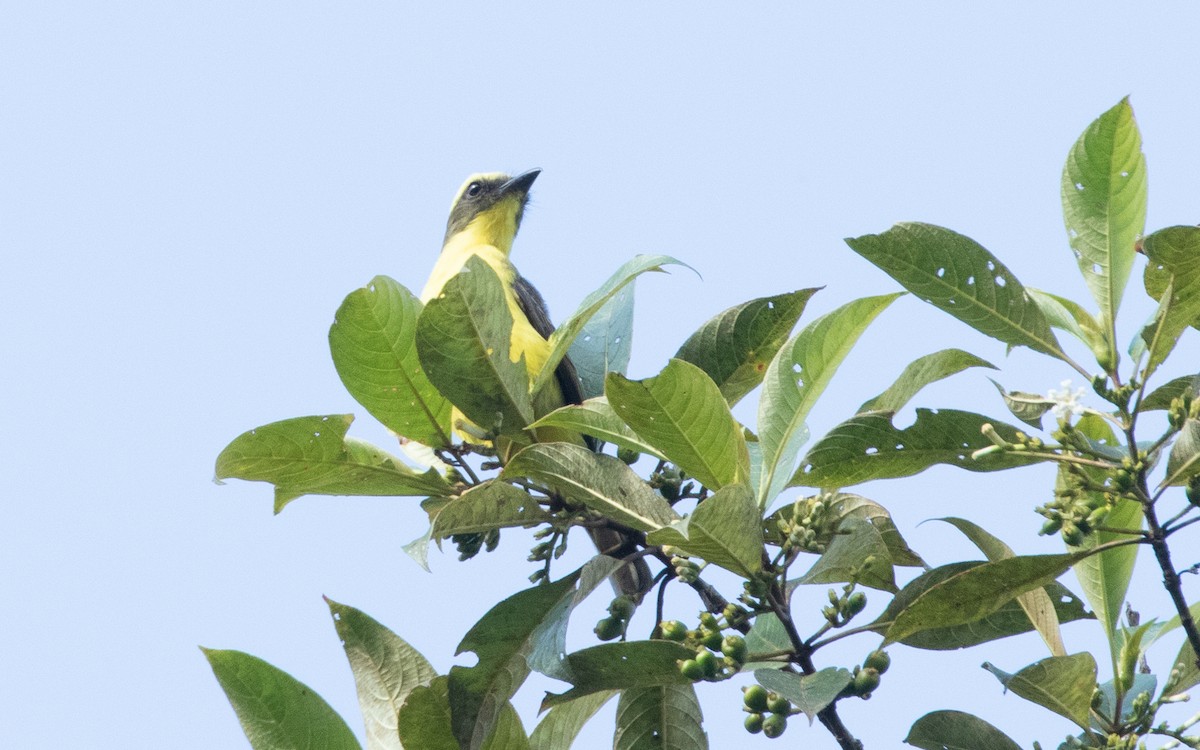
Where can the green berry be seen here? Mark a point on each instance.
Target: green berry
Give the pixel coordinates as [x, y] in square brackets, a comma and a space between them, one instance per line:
[755, 698]
[777, 704]
[865, 681]
[856, 603]
[673, 630]
[774, 725]
[708, 663]
[622, 607]
[692, 670]
[879, 661]
[754, 723]
[628, 455]
[712, 640]
[734, 646]
[608, 629]
[709, 621]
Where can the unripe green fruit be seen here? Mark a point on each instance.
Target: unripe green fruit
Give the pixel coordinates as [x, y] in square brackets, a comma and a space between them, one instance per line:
[865, 681]
[712, 640]
[673, 630]
[708, 663]
[879, 661]
[856, 603]
[774, 725]
[622, 607]
[734, 646]
[692, 670]
[755, 698]
[777, 704]
[628, 455]
[709, 621]
[754, 723]
[608, 628]
[1051, 526]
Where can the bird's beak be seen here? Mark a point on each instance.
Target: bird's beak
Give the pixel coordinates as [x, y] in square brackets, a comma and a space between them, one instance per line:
[521, 183]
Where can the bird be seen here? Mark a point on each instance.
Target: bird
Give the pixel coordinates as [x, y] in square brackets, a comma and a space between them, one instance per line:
[485, 216]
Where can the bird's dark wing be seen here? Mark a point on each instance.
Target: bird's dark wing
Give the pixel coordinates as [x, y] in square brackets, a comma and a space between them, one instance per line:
[530, 300]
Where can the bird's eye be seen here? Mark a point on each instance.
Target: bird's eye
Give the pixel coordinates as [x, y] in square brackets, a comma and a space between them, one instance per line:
[474, 189]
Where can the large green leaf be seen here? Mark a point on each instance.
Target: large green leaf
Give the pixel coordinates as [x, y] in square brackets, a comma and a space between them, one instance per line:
[562, 339]
[464, 339]
[955, 730]
[503, 640]
[603, 483]
[725, 530]
[1104, 204]
[386, 669]
[767, 638]
[869, 446]
[920, 373]
[373, 344]
[1009, 619]
[277, 711]
[659, 717]
[810, 693]
[958, 275]
[425, 722]
[1105, 577]
[596, 417]
[313, 456]
[605, 343]
[1070, 316]
[736, 346]
[548, 643]
[1173, 277]
[1160, 398]
[681, 412]
[974, 593]
[857, 553]
[1063, 684]
[1036, 603]
[562, 724]
[485, 507]
[796, 378]
[621, 666]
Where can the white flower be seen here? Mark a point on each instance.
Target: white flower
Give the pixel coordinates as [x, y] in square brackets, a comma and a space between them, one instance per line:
[1066, 403]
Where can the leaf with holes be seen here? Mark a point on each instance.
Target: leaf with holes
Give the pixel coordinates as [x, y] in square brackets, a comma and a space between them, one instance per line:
[796, 378]
[663, 717]
[956, 274]
[736, 346]
[869, 446]
[1104, 204]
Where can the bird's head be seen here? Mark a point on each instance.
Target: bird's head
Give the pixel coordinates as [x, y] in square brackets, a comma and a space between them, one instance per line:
[489, 207]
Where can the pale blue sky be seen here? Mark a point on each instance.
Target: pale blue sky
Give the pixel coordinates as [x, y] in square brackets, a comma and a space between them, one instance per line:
[187, 192]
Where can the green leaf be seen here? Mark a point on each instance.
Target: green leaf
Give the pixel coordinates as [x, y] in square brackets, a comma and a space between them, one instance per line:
[1160, 398]
[1070, 316]
[485, 507]
[920, 373]
[1185, 674]
[845, 505]
[1105, 577]
[562, 724]
[621, 666]
[1009, 619]
[811, 692]
[725, 529]
[277, 711]
[1141, 683]
[313, 456]
[1063, 684]
[735, 347]
[424, 720]
[682, 413]
[464, 338]
[547, 653]
[1174, 273]
[1184, 460]
[955, 730]
[564, 336]
[1027, 407]
[974, 593]
[956, 274]
[857, 553]
[659, 717]
[596, 417]
[869, 447]
[1036, 603]
[1104, 204]
[373, 344]
[796, 378]
[605, 343]
[386, 669]
[602, 483]
[503, 640]
[767, 636]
